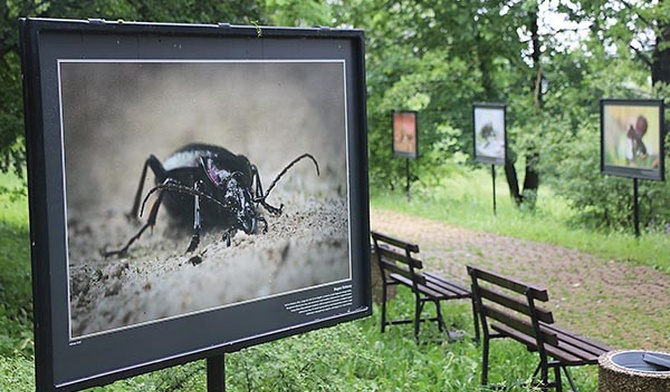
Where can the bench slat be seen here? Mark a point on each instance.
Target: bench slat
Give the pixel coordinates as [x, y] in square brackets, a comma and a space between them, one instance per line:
[539, 294]
[573, 342]
[444, 292]
[405, 273]
[595, 346]
[414, 248]
[447, 285]
[432, 291]
[518, 324]
[565, 356]
[386, 253]
[515, 304]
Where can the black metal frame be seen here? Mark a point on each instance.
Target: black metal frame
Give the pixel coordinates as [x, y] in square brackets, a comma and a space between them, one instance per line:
[405, 154]
[487, 159]
[129, 352]
[633, 172]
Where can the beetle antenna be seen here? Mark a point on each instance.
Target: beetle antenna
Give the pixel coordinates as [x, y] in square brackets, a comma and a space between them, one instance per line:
[174, 187]
[293, 162]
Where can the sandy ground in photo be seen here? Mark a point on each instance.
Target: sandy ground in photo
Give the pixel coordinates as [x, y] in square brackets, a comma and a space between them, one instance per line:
[307, 245]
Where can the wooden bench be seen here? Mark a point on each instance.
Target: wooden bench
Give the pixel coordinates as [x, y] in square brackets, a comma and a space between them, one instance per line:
[399, 266]
[507, 308]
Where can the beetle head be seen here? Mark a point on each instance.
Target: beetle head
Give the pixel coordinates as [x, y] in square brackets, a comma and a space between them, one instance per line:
[241, 204]
[235, 196]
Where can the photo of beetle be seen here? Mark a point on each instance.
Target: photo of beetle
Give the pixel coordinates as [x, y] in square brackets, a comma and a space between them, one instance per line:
[243, 189]
[207, 186]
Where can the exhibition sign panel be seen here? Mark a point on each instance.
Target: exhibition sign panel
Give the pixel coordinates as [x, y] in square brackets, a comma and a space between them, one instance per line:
[490, 133]
[405, 134]
[194, 189]
[631, 135]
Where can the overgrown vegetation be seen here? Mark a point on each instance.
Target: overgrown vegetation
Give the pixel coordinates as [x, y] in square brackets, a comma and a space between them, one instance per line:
[465, 198]
[436, 57]
[15, 289]
[354, 356]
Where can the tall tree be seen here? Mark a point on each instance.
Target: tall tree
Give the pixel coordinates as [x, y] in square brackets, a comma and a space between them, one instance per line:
[640, 29]
[12, 152]
[528, 195]
[438, 57]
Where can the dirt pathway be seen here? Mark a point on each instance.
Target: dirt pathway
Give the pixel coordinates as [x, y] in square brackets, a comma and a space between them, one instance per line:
[625, 306]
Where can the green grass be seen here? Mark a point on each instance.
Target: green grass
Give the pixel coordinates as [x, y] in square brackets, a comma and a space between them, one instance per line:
[354, 356]
[15, 289]
[466, 200]
[16, 338]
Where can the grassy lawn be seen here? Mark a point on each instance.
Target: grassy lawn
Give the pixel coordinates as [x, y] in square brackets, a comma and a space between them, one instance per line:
[353, 356]
[466, 200]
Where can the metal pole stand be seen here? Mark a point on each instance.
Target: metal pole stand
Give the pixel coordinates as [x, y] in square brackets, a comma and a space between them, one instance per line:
[407, 174]
[216, 374]
[636, 208]
[493, 176]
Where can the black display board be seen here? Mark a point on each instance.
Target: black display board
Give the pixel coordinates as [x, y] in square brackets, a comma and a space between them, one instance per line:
[405, 134]
[490, 132]
[631, 138]
[109, 105]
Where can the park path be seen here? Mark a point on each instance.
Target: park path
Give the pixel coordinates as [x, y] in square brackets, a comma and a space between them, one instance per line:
[621, 304]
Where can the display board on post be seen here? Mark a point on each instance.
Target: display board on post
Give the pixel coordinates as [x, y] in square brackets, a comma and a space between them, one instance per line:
[631, 142]
[406, 139]
[194, 190]
[490, 137]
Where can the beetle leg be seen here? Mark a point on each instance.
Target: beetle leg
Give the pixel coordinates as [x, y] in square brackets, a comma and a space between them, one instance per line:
[260, 197]
[272, 209]
[264, 222]
[151, 221]
[227, 236]
[160, 173]
[195, 239]
[256, 178]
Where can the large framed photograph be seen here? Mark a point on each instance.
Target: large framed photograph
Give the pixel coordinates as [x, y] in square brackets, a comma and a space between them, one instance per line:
[490, 132]
[631, 134]
[194, 189]
[405, 134]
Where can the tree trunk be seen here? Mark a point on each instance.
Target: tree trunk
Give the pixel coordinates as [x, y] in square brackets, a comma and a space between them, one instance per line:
[531, 181]
[660, 67]
[512, 181]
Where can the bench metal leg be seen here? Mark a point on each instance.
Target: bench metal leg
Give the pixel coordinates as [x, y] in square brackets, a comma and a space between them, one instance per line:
[441, 325]
[485, 362]
[557, 375]
[572, 383]
[418, 306]
[384, 297]
[475, 317]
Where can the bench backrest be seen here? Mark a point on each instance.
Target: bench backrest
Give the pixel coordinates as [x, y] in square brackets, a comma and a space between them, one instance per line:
[512, 305]
[397, 257]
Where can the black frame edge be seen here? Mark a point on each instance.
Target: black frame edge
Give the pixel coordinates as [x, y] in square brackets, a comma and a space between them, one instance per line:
[41, 284]
[620, 171]
[482, 159]
[39, 234]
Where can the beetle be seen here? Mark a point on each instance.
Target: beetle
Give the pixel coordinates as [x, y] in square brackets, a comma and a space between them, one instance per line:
[208, 187]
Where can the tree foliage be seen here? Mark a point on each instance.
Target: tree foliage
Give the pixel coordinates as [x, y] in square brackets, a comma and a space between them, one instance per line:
[438, 57]
[12, 151]
[616, 58]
